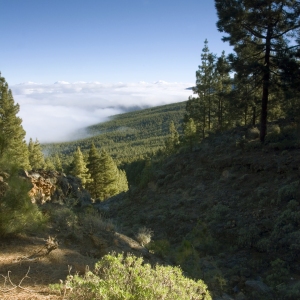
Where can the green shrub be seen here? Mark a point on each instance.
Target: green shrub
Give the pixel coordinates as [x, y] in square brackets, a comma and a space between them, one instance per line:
[144, 236]
[286, 138]
[287, 222]
[241, 143]
[288, 292]
[159, 247]
[285, 144]
[261, 192]
[264, 245]
[279, 273]
[273, 137]
[218, 213]
[290, 132]
[253, 145]
[275, 134]
[184, 251]
[168, 177]
[119, 277]
[64, 217]
[274, 129]
[253, 133]
[248, 236]
[293, 205]
[17, 213]
[160, 182]
[177, 175]
[288, 192]
[93, 221]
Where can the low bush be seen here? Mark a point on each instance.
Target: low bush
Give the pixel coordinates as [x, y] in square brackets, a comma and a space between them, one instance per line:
[248, 236]
[159, 247]
[128, 277]
[288, 192]
[253, 133]
[63, 217]
[286, 138]
[144, 236]
[279, 273]
[92, 221]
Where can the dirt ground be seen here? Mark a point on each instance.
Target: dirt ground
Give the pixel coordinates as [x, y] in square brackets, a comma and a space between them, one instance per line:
[29, 264]
[26, 270]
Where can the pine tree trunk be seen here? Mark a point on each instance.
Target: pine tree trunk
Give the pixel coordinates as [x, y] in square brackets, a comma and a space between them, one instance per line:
[219, 113]
[265, 94]
[253, 116]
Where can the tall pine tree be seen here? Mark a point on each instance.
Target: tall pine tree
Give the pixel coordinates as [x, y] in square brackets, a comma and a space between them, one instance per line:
[94, 186]
[109, 175]
[223, 86]
[202, 111]
[13, 147]
[266, 26]
[106, 179]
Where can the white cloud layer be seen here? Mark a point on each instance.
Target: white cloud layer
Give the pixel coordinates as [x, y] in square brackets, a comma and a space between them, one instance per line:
[55, 112]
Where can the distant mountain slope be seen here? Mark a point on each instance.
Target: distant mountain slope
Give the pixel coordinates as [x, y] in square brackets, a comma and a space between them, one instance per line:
[129, 135]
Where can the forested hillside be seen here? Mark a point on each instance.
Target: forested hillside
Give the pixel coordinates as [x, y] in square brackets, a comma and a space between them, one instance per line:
[211, 184]
[127, 136]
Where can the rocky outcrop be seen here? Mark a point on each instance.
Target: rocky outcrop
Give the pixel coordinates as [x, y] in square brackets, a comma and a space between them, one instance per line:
[56, 187]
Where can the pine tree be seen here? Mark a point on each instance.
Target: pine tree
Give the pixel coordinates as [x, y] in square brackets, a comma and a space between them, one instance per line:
[289, 67]
[109, 175]
[247, 82]
[36, 156]
[57, 163]
[222, 90]
[79, 168]
[106, 179]
[49, 166]
[193, 110]
[172, 141]
[265, 26]
[94, 186]
[12, 135]
[205, 80]
[190, 132]
[122, 183]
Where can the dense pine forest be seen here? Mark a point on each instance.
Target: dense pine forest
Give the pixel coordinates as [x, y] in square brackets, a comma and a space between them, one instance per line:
[127, 136]
[210, 184]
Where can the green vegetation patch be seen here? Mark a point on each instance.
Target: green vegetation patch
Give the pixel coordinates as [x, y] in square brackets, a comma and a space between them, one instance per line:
[128, 277]
[128, 136]
[17, 213]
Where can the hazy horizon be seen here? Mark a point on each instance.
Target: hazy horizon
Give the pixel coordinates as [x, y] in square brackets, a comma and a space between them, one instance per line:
[57, 112]
[71, 64]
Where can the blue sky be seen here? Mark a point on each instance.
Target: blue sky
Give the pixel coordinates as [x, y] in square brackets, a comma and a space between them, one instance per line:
[102, 41]
[105, 40]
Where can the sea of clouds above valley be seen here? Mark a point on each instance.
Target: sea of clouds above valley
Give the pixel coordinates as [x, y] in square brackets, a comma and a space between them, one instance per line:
[56, 112]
